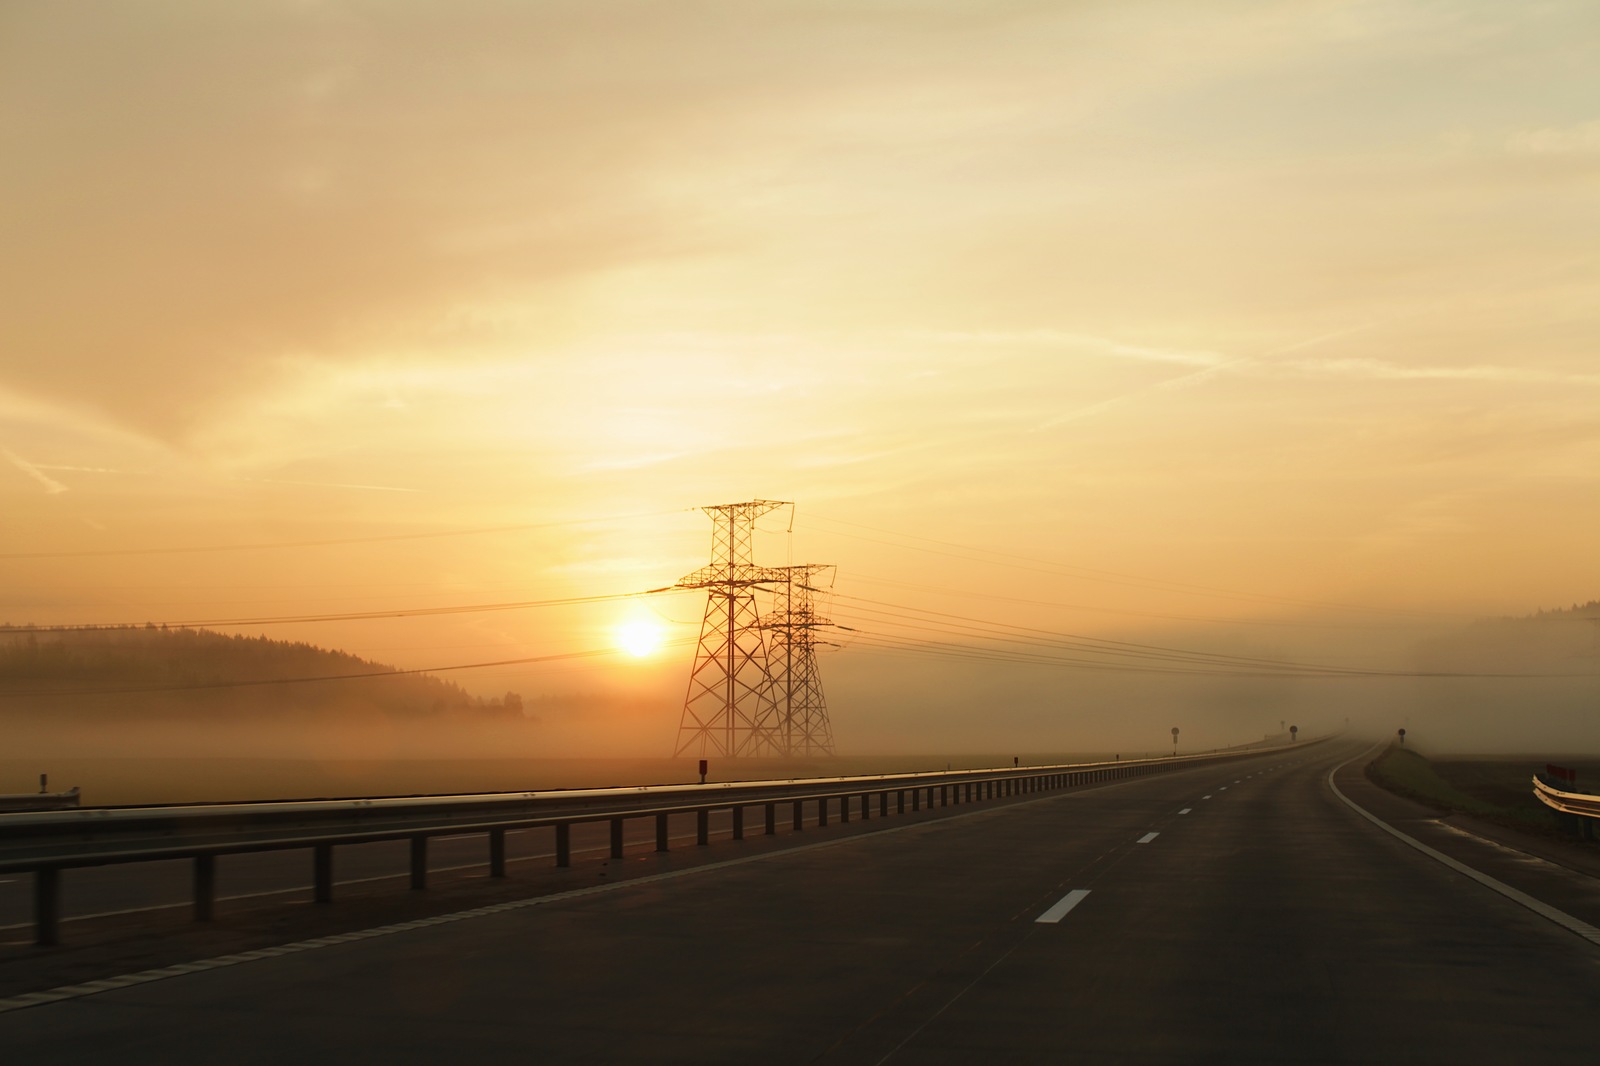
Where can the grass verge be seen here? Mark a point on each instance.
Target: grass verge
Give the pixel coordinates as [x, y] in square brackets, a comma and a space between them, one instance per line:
[1498, 791]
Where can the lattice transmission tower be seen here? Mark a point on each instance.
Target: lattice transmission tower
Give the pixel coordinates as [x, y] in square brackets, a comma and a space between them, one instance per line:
[729, 707]
[800, 714]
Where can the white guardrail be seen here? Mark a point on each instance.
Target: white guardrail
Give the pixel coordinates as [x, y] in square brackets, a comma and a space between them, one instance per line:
[44, 843]
[1579, 803]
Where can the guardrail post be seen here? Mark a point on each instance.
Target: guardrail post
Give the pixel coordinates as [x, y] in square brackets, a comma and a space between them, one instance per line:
[419, 862]
[322, 873]
[899, 801]
[702, 827]
[616, 838]
[661, 832]
[738, 822]
[563, 844]
[47, 907]
[916, 799]
[822, 810]
[205, 886]
[772, 819]
[497, 853]
[883, 804]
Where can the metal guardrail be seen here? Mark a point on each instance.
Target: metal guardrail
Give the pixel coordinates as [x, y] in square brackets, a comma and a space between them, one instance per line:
[1580, 808]
[46, 843]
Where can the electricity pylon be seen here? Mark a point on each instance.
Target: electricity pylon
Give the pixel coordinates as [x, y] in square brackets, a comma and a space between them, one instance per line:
[800, 714]
[728, 709]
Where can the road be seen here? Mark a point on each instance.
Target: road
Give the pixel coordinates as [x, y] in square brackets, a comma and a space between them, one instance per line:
[1239, 913]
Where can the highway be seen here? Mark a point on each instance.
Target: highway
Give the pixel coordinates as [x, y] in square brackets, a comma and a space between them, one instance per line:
[1235, 913]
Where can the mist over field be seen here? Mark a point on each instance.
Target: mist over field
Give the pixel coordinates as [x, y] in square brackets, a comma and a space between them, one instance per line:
[1522, 686]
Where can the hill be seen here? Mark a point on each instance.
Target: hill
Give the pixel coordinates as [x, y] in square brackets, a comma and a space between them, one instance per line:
[196, 676]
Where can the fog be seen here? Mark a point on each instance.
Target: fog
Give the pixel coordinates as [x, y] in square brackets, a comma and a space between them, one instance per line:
[1510, 686]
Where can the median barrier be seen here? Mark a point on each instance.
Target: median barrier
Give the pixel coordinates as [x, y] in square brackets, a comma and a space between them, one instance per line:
[45, 843]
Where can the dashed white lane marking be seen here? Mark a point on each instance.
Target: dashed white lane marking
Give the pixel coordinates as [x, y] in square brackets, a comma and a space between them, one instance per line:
[1224, 788]
[1205, 797]
[1062, 906]
[1539, 907]
[1148, 837]
[1185, 810]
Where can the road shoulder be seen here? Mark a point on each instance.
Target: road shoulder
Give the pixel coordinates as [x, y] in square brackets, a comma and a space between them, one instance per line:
[1572, 891]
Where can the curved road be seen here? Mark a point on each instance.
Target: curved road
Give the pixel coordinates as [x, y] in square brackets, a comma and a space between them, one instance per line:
[1241, 913]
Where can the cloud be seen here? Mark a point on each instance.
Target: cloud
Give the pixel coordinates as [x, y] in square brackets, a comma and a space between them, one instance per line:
[1063, 339]
[52, 487]
[328, 485]
[1381, 370]
[1582, 138]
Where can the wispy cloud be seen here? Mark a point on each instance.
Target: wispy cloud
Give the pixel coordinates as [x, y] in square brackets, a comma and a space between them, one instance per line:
[52, 487]
[1582, 138]
[1197, 377]
[329, 485]
[1379, 370]
[1053, 338]
[82, 469]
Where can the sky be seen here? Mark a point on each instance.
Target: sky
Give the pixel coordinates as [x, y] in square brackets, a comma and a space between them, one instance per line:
[1265, 326]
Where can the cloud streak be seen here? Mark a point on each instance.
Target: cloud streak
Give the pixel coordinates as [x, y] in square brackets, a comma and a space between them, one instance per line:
[52, 487]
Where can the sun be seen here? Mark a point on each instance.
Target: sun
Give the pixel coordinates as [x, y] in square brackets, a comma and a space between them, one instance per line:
[639, 637]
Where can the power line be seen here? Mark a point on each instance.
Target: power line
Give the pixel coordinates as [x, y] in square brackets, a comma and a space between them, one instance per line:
[1274, 622]
[205, 685]
[946, 651]
[351, 616]
[332, 542]
[1076, 641]
[1115, 655]
[1049, 566]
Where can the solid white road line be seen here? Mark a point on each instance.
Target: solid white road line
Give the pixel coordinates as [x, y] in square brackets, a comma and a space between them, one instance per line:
[1539, 907]
[1148, 837]
[1063, 905]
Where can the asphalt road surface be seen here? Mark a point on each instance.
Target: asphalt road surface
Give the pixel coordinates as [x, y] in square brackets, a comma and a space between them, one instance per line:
[1237, 913]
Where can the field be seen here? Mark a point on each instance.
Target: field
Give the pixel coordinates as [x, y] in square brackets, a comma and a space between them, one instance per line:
[1498, 788]
[116, 782]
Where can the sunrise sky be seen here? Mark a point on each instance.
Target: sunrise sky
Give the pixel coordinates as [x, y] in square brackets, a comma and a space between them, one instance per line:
[1203, 316]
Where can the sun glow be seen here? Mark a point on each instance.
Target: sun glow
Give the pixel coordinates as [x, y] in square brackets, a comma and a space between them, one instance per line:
[639, 637]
